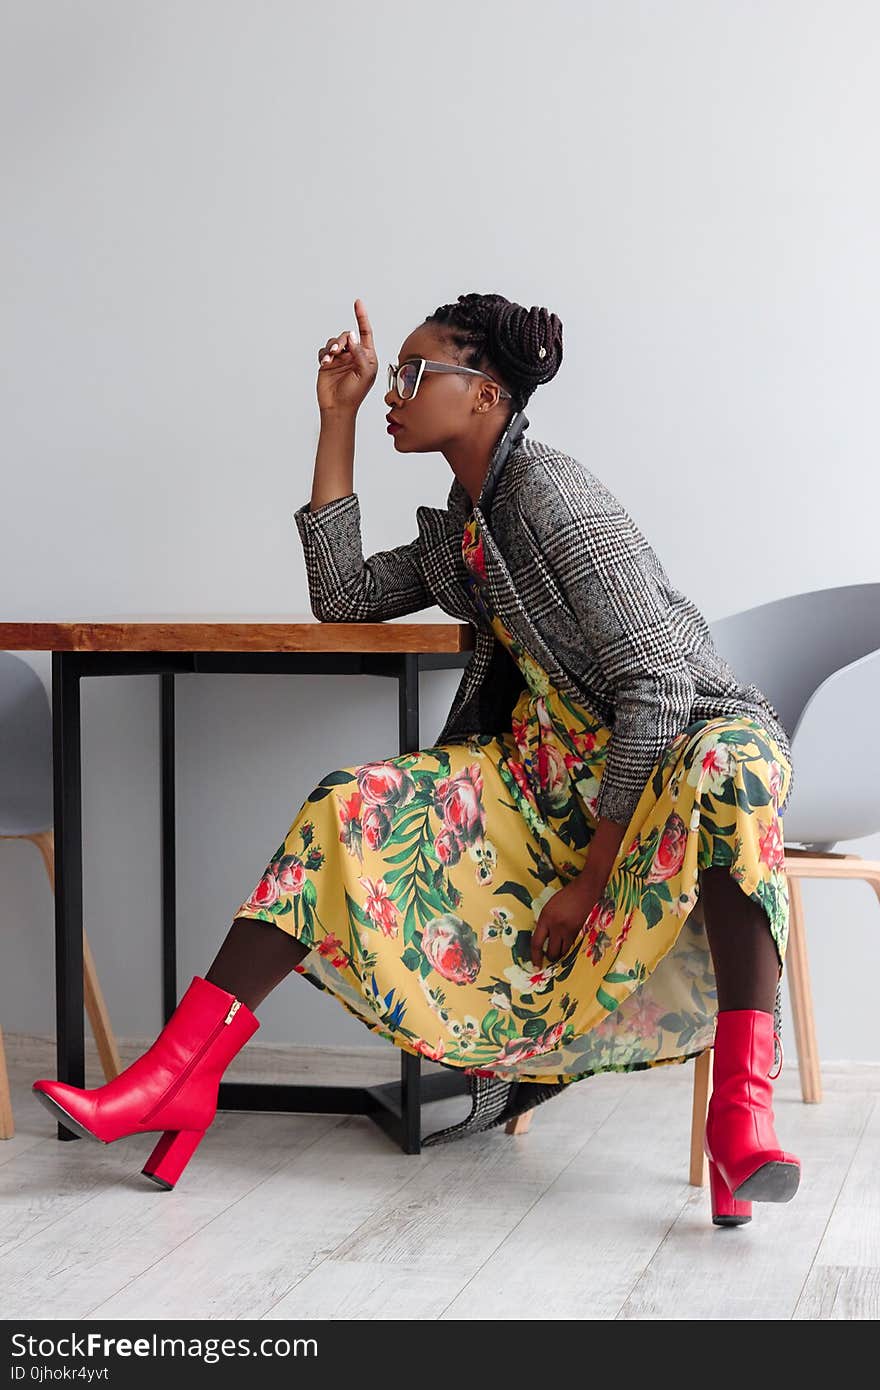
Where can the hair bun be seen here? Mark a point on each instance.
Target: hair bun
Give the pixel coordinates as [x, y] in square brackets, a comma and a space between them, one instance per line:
[527, 342]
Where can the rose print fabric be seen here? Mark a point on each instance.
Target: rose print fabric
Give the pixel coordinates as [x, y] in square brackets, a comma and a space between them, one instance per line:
[417, 882]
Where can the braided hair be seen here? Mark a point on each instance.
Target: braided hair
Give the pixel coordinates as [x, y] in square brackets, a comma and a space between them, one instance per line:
[521, 348]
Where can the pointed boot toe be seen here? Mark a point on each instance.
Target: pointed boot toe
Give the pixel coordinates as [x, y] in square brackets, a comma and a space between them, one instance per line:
[73, 1107]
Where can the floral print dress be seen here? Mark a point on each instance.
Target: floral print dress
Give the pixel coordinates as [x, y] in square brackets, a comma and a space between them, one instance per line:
[417, 882]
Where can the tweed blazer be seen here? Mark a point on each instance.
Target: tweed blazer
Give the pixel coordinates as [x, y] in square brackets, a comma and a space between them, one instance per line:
[574, 579]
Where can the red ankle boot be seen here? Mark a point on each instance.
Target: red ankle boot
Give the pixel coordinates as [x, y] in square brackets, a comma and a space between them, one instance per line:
[173, 1087]
[746, 1163]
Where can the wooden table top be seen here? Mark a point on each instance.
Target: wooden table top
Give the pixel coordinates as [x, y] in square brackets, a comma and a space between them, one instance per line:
[297, 632]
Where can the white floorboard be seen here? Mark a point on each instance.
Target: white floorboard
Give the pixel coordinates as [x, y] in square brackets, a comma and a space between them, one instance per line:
[588, 1215]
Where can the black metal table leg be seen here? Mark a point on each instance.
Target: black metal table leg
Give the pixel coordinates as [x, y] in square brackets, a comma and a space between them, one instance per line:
[408, 704]
[410, 1066]
[169, 861]
[67, 811]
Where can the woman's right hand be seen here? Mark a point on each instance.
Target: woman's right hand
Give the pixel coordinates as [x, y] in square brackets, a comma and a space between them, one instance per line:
[346, 368]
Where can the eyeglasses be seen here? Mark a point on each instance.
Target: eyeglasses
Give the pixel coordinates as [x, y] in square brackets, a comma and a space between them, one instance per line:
[407, 377]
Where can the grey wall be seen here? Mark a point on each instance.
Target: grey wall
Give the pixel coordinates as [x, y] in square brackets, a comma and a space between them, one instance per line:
[194, 194]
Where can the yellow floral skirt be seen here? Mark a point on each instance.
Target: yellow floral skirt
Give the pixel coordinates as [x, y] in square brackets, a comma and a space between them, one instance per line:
[417, 881]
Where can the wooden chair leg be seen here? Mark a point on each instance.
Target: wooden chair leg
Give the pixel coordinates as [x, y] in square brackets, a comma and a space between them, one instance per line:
[520, 1123]
[99, 1018]
[702, 1076]
[798, 975]
[874, 881]
[7, 1124]
[93, 997]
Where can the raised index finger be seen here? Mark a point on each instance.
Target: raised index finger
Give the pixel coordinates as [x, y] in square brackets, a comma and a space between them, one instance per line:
[364, 327]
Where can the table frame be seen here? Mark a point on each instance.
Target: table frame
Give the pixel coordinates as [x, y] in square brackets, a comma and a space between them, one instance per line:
[394, 1106]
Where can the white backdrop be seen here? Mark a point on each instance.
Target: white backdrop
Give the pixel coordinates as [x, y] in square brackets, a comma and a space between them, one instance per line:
[195, 192]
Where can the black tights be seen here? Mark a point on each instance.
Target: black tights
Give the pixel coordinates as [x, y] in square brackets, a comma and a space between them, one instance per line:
[256, 956]
[743, 950]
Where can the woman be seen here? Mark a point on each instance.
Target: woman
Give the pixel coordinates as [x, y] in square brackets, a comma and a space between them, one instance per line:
[518, 899]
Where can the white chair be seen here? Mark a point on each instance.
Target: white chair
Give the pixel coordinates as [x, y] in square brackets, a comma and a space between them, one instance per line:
[26, 813]
[816, 656]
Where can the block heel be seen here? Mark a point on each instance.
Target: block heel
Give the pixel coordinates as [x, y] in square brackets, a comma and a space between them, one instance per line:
[727, 1210]
[171, 1155]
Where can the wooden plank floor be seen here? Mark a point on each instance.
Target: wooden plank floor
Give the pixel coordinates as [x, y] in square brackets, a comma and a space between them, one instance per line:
[587, 1215]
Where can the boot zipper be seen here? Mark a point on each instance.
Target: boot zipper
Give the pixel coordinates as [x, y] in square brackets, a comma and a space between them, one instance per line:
[772, 1075]
[175, 1086]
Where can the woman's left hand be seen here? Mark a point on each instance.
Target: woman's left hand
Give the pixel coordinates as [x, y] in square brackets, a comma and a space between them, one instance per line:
[562, 917]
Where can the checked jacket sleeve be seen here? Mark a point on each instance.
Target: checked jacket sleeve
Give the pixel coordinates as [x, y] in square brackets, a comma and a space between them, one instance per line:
[343, 586]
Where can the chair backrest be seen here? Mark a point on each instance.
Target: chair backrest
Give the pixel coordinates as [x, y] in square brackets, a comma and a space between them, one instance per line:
[25, 749]
[790, 645]
[837, 752]
[816, 656]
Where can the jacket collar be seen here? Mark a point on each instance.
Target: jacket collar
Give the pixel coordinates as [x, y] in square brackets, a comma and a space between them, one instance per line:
[505, 599]
[505, 445]
[454, 593]
[502, 589]
[513, 433]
